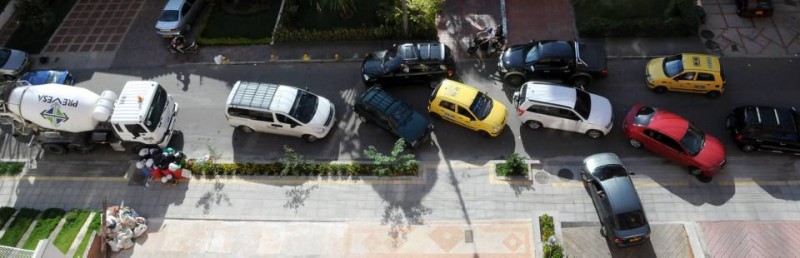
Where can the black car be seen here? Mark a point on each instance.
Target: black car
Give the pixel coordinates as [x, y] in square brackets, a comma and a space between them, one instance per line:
[572, 62]
[754, 8]
[618, 206]
[765, 128]
[377, 106]
[408, 63]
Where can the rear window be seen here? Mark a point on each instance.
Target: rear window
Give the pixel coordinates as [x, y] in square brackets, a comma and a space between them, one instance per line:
[644, 115]
[631, 220]
[168, 16]
[783, 119]
[609, 171]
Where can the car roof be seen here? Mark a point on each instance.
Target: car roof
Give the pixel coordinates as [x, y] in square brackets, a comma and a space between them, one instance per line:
[262, 96]
[557, 48]
[551, 93]
[780, 118]
[669, 123]
[457, 92]
[700, 62]
[621, 194]
[378, 99]
[174, 4]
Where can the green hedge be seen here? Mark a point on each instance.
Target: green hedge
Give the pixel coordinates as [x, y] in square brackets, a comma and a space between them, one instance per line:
[641, 18]
[93, 227]
[5, 214]
[221, 28]
[547, 229]
[18, 227]
[47, 223]
[514, 166]
[366, 33]
[72, 226]
[274, 169]
[11, 168]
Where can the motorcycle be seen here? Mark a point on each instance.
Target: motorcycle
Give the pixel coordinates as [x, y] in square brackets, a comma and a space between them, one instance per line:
[179, 45]
[490, 40]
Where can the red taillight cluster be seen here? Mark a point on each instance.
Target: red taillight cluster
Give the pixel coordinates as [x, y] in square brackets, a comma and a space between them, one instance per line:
[605, 72]
[739, 137]
[450, 72]
[617, 240]
[520, 111]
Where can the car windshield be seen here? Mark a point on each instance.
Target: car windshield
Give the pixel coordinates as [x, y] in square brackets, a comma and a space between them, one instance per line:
[644, 115]
[673, 65]
[631, 220]
[693, 140]
[609, 171]
[4, 54]
[52, 77]
[156, 109]
[168, 16]
[521, 95]
[583, 103]
[533, 53]
[305, 106]
[481, 106]
[391, 62]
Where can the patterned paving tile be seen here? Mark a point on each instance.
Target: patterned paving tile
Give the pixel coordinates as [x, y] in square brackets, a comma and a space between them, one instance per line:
[94, 26]
[752, 239]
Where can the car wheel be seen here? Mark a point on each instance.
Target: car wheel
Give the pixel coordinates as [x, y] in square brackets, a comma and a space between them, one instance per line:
[580, 82]
[310, 138]
[515, 80]
[695, 171]
[77, 148]
[9, 77]
[246, 129]
[435, 116]
[55, 148]
[704, 179]
[660, 89]
[712, 94]
[594, 134]
[635, 143]
[484, 134]
[533, 125]
[748, 147]
[603, 230]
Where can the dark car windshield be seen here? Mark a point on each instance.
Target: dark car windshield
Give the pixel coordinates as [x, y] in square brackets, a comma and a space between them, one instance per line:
[631, 220]
[169, 16]
[305, 106]
[609, 171]
[4, 54]
[156, 109]
[481, 106]
[644, 115]
[693, 140]
[533, 53]
[583, 103]
[673, 65]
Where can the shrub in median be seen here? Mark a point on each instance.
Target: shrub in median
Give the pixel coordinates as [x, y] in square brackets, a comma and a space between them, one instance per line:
[11, 168]
[18, 227]
[73, 222]
[46, 224]
[515, 165]
[546, 230]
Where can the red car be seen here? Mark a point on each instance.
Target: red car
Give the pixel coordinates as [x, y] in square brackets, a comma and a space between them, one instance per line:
[673, 137]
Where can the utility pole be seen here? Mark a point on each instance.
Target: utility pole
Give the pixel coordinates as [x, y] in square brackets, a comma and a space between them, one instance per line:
[405, 17]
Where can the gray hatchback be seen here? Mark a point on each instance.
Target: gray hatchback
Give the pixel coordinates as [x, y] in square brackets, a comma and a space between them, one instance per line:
[618, 206]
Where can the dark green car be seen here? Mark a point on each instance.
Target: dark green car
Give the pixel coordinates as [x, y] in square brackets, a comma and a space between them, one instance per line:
[378, 107]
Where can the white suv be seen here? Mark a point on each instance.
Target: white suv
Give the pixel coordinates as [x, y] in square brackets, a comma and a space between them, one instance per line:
[279, 109]
[543, 104]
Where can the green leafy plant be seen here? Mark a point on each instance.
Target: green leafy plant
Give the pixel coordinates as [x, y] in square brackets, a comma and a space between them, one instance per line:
[553, 251]
[11, 168]
[14, 233]
[513, 166]
[547, 229]
[94, 226]
[5, 214]
[46, 224]
[396, 163]
[293, 163]
[73, 222]
[38, 19]
[344, 7]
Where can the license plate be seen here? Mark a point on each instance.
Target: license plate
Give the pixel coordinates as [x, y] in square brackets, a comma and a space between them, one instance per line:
[759, 12]
[635, 239]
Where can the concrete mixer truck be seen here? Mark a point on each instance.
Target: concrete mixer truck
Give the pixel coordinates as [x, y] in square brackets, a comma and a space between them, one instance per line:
[61, 118]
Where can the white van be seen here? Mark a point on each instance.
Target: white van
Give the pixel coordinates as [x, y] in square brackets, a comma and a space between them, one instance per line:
[279, 109]
[550, 105]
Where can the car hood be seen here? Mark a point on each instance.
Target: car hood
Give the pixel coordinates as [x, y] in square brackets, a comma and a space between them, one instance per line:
[46, 76]
[601, 111]
[324, 108]
[713, 152]
[165, 25]
[513, 57]
[655, 68]
[16, 61]
[373, 64]
[498, 114]
[414, 128]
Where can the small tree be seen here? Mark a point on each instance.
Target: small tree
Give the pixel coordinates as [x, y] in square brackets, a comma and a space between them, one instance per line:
[396, 163]
[37, 13]
[293, 163]
[514, 166]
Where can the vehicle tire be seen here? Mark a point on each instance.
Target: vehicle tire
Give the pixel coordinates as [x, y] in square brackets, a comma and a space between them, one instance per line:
[603, 230]
[660, 89]
[635, 143]
[484, 134]
[55, 148]
[9, 77]
[246, 129]
[594, 134]
[80, 149]
[310, 138]
[515, 80]
[748, 147]
[435, 116]
[695, 171]
[533, 125]
[580, 82]
[712, 94]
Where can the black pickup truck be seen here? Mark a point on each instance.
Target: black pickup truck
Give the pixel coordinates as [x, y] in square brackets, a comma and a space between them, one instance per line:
[408, 63]
[570, 61]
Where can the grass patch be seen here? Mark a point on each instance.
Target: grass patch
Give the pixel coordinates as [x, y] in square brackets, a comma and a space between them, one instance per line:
[223, 28]
[11, 168]
[31, 39]
[632, 18]
[365, 15]
[47, 223]
[5, 214]
[93, 227]
[72, 225]
[18, 226]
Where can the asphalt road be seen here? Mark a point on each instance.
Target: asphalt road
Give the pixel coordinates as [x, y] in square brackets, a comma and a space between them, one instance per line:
[202, 96]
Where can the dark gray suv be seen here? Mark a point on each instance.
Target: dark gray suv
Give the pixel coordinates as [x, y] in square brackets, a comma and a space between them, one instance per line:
[619, 209]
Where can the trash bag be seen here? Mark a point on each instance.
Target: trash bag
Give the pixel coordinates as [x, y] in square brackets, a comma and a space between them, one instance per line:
[139, 230]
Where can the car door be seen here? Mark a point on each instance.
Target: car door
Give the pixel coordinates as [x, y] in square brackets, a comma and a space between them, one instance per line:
[285, 125]
[466, 118]
[547, 67]
[544, 114]
[707, 81]
[448, 110]
[567, 119]
[261, 121]
[686, 82]
[666, 147]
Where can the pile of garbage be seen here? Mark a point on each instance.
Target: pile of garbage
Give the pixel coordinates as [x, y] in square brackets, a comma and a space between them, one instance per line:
[164, 165]
[123, 225]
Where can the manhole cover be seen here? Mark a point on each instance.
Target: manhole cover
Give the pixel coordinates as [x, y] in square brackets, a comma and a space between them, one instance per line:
[707, 34]
[542, 177]
[710, 44]
[565, 173]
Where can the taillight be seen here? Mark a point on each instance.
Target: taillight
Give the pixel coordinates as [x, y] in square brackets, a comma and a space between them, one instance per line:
[739, 137]
[605, 72]
[520, 111]
[617, 240]
[450, 72]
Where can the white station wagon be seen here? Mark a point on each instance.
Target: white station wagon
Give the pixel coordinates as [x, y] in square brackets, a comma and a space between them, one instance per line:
[550, 105]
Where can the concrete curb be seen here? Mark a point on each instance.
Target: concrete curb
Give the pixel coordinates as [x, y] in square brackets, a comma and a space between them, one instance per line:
[271, 62]
[697, 239]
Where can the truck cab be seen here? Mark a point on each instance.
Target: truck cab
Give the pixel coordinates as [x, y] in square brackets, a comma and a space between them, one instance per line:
[145, 114]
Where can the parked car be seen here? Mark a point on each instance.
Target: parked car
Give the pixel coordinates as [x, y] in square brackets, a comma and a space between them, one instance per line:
[468, 107]
[622, 218]
[695, 73]
[754, 8]
[177, 16]
[39, 77]
[408, 63]
[14, 63]
[765, 128]
[550, 105]
[570, 61]
[673, 137]
[279, 109]
[378, 107]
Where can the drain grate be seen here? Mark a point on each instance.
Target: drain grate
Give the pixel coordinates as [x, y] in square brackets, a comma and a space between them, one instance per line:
[468, 236]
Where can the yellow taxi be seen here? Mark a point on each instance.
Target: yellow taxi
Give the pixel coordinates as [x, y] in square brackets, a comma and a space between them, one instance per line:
[465, 105]
[696, 73]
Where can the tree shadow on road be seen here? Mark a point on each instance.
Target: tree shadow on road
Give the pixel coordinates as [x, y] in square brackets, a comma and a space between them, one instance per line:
[297, 196]
[214, 197]
[401, 218]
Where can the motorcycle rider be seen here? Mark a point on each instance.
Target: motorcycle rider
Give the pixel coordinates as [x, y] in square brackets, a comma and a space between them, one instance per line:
[179, 43]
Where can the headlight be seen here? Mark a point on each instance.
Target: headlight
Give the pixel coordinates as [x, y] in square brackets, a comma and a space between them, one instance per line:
[649, 79]
[496, 128]
[366, 77]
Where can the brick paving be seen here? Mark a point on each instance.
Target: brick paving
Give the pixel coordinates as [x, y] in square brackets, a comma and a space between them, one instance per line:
[666, 240]
[94, 26]
[539, 20]
[774, 36]
[752, 238]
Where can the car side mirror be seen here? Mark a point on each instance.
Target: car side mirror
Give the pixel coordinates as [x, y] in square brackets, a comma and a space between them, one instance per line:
[631, 173]
[532, 68]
